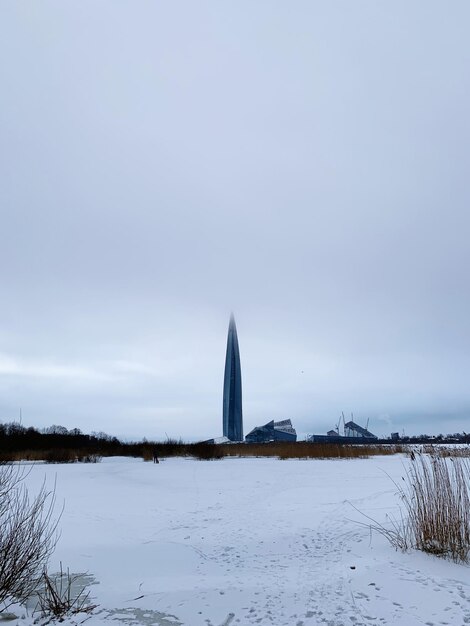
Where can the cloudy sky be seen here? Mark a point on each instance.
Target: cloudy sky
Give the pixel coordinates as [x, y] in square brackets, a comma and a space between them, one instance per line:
[303, 164]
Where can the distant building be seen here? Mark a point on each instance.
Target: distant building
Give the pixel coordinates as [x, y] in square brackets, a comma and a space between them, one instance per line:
[217, 440]
[232, 405]
[353, 433]
[395, 436]
[334, 438]
[272, 431]
[351, 429]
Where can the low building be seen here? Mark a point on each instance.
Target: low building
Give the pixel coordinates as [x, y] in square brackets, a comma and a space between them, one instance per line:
[272, 431]
[217, 440]
[353, 433]
[351, 429]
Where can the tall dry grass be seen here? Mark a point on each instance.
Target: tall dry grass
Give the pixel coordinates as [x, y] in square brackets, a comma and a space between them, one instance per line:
[436, 507]
[306, 450]
[437, 500]
[207, 451]
[447, 450]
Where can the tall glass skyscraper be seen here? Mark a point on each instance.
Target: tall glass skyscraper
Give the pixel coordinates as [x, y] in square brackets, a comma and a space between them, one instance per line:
[232, 410]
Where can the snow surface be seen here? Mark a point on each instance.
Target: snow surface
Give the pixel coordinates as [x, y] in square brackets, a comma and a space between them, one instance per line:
[246, 541]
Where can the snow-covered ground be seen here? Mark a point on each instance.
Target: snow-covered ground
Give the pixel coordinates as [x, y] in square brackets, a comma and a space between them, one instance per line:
[246, 541]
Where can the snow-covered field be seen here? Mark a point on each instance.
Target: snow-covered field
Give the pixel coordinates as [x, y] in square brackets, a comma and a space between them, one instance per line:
[246, 541]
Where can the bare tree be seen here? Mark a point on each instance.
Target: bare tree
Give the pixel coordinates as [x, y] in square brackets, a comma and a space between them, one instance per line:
[28, 534]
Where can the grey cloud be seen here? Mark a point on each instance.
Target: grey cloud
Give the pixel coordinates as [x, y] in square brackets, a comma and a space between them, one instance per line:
[305, 166]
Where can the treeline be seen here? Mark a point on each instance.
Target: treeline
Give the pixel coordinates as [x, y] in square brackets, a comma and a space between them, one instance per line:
[430, 439]
[18, 442]
[57, 444]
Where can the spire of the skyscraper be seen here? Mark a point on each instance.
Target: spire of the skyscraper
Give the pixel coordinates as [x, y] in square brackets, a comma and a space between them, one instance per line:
[232, 404]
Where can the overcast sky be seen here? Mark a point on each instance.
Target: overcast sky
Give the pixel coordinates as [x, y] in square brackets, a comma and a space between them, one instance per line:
[303, 164]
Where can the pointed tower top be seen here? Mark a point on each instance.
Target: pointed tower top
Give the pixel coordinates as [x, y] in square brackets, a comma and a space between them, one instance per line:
[232, 404]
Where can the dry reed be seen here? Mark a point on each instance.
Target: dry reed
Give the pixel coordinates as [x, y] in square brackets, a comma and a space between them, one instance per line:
[436, 501]
[306, 450]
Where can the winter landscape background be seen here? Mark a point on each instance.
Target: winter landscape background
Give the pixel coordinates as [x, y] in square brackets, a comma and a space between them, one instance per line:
[303, 165]
[246, 541]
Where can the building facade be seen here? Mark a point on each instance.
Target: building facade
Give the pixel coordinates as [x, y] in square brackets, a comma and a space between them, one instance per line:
[351, 429]
[232, 402]
[272, 431]
[353, 433]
